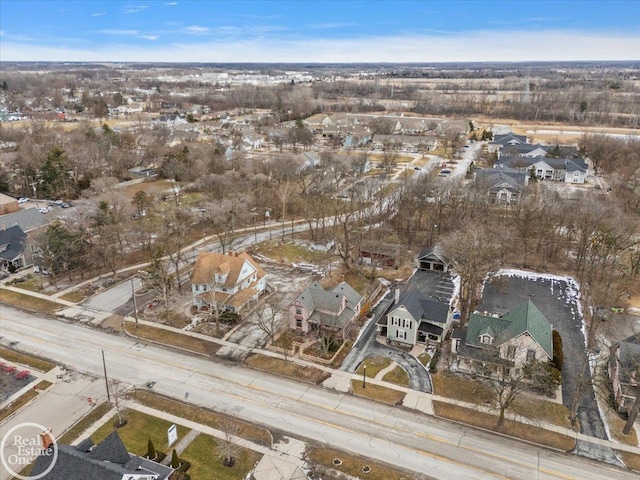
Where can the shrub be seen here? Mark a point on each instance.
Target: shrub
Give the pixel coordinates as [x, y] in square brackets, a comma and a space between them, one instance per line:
[433, 366]
[557, 351]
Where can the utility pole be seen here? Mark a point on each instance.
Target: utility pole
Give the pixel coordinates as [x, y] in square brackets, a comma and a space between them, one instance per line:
[364, 376]
[135, 306]
[106, 381]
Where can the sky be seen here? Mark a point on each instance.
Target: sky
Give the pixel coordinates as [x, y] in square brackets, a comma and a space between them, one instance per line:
[338, 31]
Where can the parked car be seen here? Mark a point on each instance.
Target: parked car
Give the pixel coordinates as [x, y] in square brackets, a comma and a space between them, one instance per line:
[23, 200]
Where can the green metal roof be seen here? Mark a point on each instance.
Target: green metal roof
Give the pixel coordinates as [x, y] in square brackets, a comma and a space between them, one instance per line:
[525, 318]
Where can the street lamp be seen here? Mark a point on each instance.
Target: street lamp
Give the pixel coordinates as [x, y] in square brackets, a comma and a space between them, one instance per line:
[255, 224]
[364, 377]
[267, 218]
[135, 307]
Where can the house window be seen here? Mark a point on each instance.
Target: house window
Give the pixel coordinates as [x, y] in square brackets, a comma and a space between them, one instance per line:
[511, 352]
[486, 339]
[531, 355]
[298, 311]
[402, 334]
[298, 323]
[457, 344]
[395, 321]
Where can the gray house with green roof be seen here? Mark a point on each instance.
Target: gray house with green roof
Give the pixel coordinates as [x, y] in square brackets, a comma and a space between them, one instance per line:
[317, 308]
[503, 343]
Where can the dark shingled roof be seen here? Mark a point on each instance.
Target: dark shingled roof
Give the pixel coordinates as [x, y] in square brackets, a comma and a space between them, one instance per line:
[423, 309]
[12, 243]
[109, 460]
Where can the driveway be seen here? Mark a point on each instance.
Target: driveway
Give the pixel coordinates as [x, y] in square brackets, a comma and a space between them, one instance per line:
[557, 299]
[367, 346]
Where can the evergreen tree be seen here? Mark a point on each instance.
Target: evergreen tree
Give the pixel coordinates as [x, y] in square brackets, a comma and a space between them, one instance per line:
[175, 460]
[151, 450]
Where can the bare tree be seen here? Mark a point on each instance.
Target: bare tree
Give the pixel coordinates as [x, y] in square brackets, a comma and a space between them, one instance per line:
[226, 448]
[268, 317]
[160, 280]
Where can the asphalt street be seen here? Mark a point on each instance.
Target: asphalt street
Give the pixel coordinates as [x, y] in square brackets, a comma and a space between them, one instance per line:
[393, 435]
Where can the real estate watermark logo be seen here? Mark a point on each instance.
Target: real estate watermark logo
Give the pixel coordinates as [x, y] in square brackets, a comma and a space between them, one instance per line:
[22, 444]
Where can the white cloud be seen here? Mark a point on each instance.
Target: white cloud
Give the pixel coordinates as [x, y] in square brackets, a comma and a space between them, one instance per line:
[197, 29]
[119, 32]
[171, 3]
[98, 14]
[134, 8]
[149, 37]
[507, 46]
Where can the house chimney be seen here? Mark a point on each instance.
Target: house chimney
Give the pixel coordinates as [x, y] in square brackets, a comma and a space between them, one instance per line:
[397, 294]
[47, 441]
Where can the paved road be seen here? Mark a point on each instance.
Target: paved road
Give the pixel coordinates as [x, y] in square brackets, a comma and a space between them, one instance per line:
[389, 434]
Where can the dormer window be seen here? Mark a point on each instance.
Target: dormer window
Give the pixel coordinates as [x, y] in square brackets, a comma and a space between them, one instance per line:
[486, 339]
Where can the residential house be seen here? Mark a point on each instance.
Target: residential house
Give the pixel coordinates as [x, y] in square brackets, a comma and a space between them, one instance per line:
[13, 248]
[251, 140]
[555, 169]
[434, 258]
[108, 460]
[504, 185]
[506, 140]
[226, 282]
[414, 319]
[524, 150]
[317, 308]
[500, 346]
[404, 143]
[624, 371]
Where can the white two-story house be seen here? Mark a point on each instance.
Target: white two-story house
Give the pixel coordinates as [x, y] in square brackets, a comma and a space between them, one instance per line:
[414, 319]
[226, 282]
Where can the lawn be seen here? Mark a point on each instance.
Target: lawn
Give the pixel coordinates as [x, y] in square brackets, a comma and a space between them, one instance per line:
[166, 337]
[353, 466]
[551, 412]
[287, 369]
[456, 387]
[28, 302]
[74, 296]
[424, 358]
[397, 376]
[376, 392]
[511, 428]
[631, 460]
[206, 465]
[616, 424]
[212, 419]
[474, 391]
[136, 433]
[374, 365]
[23, 359]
